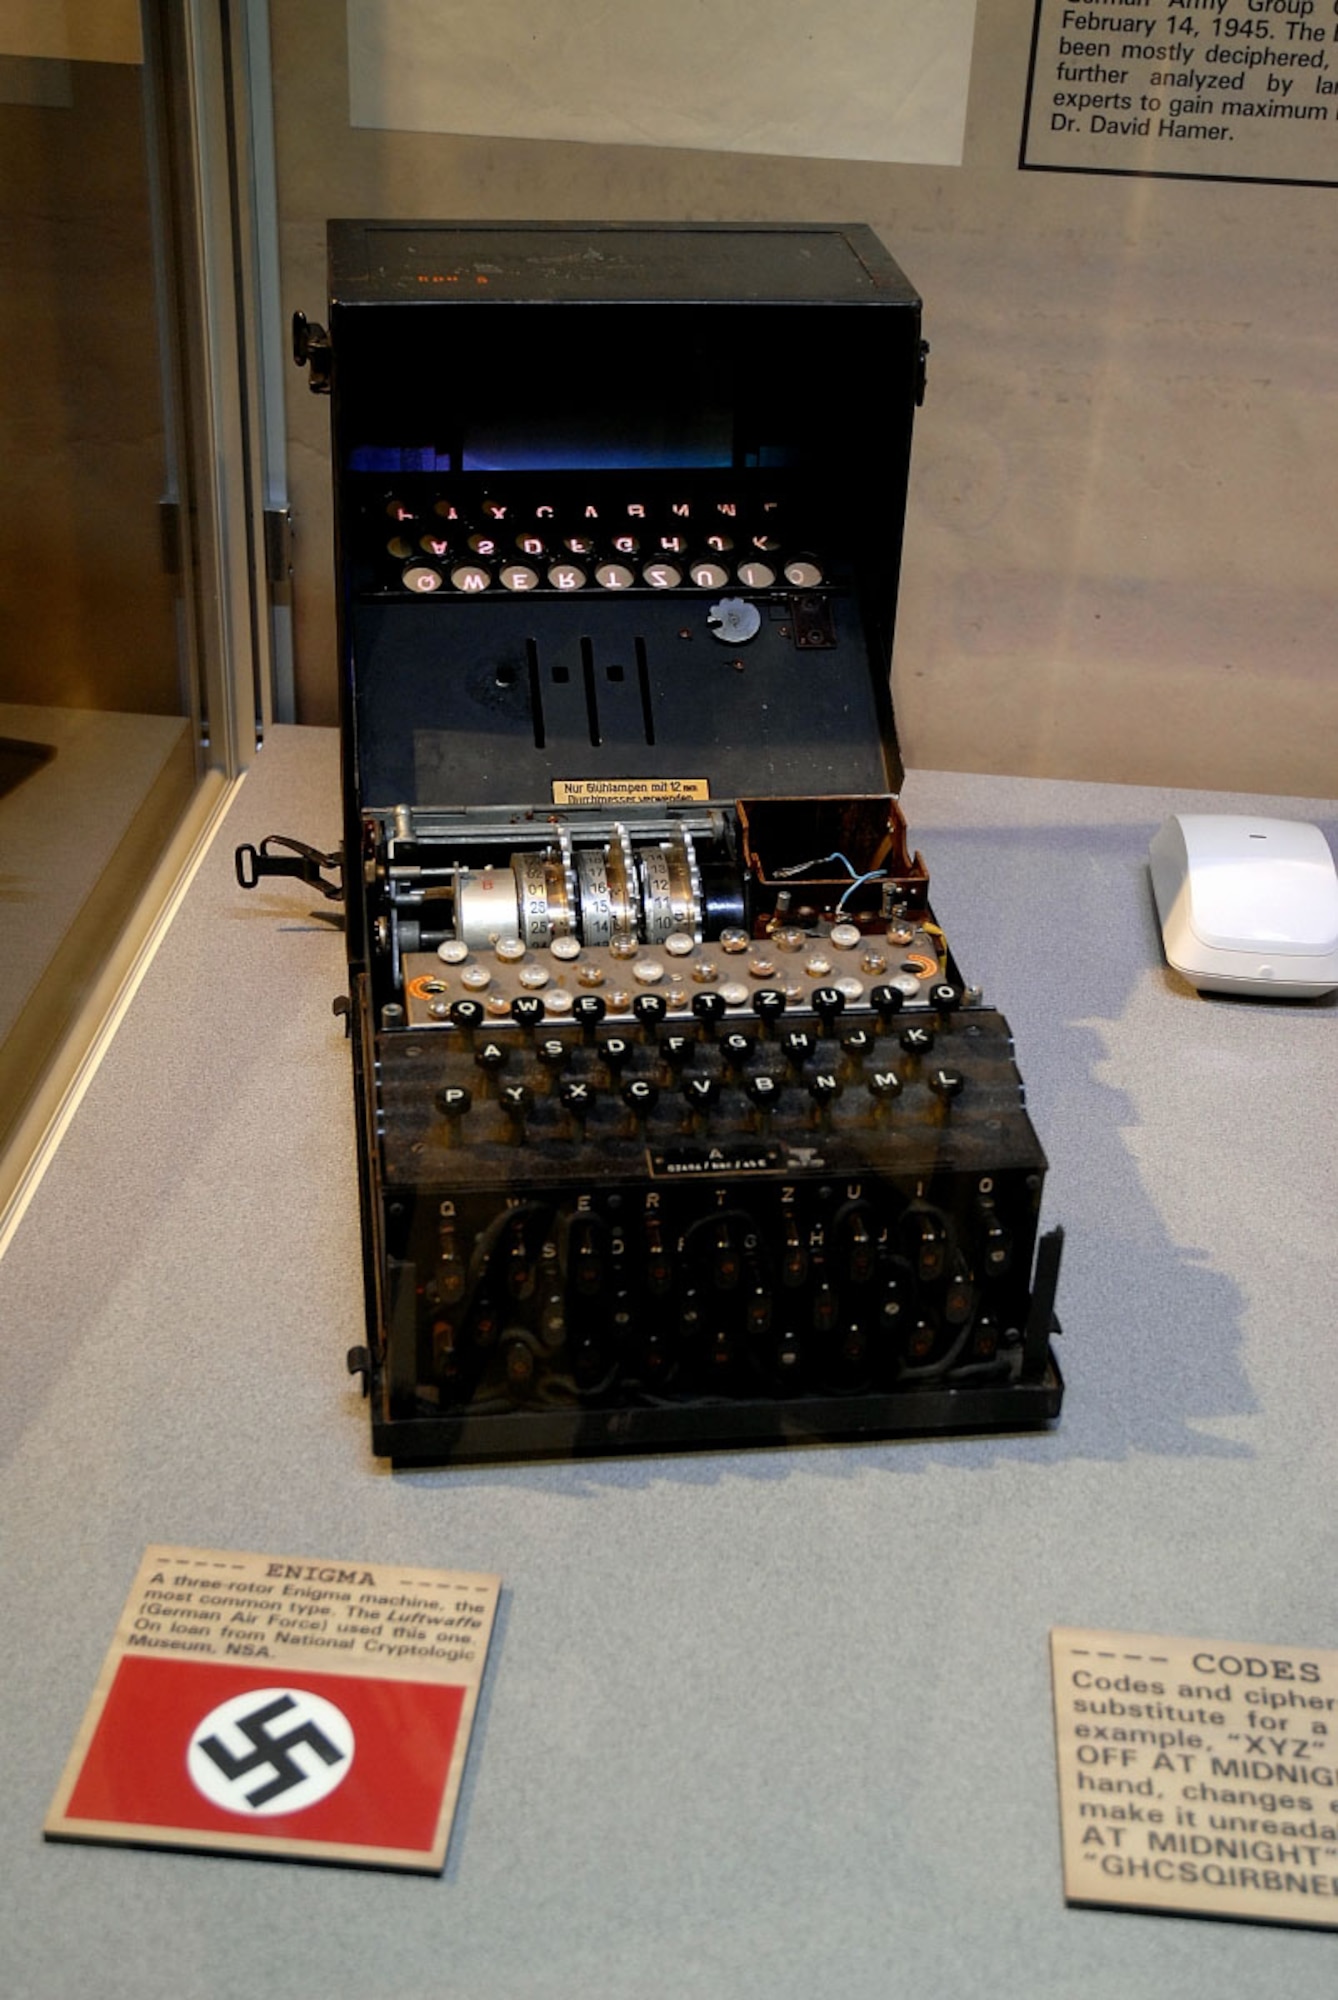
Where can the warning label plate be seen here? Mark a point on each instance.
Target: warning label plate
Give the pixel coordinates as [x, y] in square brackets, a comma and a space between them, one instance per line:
[628, 791]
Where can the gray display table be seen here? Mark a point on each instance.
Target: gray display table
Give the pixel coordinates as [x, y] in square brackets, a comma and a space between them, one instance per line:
[763, 1725]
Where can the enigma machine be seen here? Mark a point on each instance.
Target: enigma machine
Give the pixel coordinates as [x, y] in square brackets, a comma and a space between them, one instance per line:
[678, 1123]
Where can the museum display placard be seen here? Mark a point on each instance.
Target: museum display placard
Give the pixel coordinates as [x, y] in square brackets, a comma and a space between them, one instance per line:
[1198, 1776]
[1215, 89]
[254, 1704]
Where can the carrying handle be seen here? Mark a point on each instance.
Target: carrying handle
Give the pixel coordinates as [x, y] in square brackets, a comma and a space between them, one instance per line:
[295, 858]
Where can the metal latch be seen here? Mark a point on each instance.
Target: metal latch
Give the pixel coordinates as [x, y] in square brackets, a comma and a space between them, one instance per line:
[312, 349]
[296, 859]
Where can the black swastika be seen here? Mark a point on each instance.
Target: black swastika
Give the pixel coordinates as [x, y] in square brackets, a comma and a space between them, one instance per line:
[273, 1751]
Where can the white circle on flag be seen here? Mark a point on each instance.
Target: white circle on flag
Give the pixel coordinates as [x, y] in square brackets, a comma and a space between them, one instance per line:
[271, 1750]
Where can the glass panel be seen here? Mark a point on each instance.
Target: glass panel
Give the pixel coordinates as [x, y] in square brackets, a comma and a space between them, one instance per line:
[98, 732]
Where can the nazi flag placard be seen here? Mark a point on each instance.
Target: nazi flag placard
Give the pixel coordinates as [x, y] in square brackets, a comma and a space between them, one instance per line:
[257, 1704]
[297, 1761]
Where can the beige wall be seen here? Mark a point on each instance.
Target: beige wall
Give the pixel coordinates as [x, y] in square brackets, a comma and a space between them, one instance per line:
[1120, 547]
[86, 613]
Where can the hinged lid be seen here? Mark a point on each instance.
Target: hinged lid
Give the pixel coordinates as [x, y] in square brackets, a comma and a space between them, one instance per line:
[620, 509]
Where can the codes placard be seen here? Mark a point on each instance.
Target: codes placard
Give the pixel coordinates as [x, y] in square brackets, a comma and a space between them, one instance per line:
[1198, 1775]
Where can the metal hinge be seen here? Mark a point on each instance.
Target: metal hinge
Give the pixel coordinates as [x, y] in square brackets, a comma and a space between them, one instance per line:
[811, 622]
[169, 536]
[278, 544]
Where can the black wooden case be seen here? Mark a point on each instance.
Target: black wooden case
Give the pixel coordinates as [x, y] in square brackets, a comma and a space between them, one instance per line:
[678, 1123]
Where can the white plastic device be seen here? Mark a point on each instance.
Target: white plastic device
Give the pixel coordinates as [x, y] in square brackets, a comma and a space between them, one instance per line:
[1247, 905]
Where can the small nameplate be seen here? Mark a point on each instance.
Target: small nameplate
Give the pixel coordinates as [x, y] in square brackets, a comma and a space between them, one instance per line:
[735, 1159]
[1198, 1776]
[628, 791]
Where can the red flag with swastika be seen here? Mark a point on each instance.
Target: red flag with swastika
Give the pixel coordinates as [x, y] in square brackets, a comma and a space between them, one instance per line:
[280, 1758]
